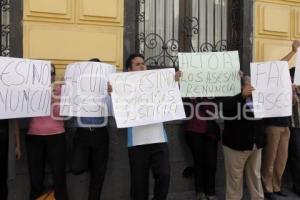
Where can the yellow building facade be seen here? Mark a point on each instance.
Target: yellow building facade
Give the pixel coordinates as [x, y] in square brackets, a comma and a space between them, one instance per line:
[66, 31]
[277, 24]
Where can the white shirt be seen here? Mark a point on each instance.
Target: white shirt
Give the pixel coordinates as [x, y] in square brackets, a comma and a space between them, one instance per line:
[147, 134]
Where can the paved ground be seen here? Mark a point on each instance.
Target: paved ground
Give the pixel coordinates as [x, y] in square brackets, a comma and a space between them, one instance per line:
[221, 196]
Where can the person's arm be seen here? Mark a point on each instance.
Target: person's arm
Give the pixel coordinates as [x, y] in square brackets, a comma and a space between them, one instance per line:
[17, 138]
[289, 56]
[230, 103]
[177, 76]
[109, 88]
[295, 98]
[55, 104]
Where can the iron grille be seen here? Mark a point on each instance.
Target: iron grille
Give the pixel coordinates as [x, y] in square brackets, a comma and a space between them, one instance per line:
[171, 26]
[5, 27]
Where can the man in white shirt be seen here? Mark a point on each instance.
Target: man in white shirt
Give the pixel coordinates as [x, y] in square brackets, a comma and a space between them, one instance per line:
[147, 150]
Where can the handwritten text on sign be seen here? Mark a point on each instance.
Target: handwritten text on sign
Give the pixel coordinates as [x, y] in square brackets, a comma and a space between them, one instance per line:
[146, 97]
[209, 74]
[85, 91]
[24, 88]
[273, 91]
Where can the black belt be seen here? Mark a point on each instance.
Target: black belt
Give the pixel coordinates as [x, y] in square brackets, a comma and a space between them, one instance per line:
[90, 129]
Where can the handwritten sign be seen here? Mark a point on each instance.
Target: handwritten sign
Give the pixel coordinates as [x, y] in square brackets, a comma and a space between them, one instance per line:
[297, 71]
[85, 91]
[146, 97]
[212, 74]
[273, 91]
[24, 88]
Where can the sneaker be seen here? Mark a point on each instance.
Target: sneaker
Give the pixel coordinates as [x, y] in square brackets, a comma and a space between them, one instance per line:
[201, 196]
[211, 197]
[270, 196]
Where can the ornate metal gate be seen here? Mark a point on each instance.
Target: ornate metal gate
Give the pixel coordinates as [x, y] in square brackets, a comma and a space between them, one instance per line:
[171, 26]
[5, 28]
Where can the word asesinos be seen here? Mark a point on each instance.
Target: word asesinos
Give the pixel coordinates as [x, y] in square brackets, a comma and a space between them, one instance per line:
[85, 104]
[22, 72]
[151, 81]
[212, 82]
[274, 100]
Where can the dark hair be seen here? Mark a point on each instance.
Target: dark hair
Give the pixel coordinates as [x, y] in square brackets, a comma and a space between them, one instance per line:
[95, 60]
[53, 66]
[130, 58]
[292, 72]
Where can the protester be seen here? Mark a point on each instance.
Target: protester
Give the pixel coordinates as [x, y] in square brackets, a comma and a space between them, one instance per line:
[294, 144]
[243, 140]
[46, 139]
[147, 149]
[90, 150]
[275, 153]
[202, 137]
[4, 138]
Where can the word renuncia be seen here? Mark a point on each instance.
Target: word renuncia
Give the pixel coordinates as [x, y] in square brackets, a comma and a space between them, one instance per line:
[27, 100]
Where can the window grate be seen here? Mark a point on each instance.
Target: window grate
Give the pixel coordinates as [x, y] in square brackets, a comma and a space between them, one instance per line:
[171, 26]
[5, 27]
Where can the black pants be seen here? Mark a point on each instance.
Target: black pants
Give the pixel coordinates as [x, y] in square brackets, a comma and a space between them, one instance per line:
[90, 151]
[204, 150]
[143, 158]
[3, 166]
[52, 147]
[294, 158]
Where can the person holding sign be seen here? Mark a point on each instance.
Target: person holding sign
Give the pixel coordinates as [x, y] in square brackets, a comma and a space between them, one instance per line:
[147, 150]
[276, 151]
[202, 136]
[243, 140]
[46, 138]
[4, 131]
[294, 151]
[90, 150]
